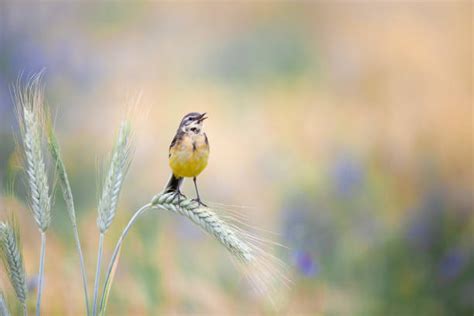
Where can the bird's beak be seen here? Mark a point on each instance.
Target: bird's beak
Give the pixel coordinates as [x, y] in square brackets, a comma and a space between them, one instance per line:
[202, 118]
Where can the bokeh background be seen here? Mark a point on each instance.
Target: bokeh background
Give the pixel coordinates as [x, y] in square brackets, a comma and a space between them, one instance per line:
[345, 127]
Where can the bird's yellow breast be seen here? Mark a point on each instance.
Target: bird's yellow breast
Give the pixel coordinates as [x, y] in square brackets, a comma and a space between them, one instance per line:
[188, 156]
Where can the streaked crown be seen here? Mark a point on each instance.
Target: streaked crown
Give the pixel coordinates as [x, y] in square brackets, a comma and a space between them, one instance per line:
[192, 122]
[192, 117]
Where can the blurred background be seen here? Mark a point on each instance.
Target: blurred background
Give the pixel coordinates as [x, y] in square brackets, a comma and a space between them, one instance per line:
[345, 127]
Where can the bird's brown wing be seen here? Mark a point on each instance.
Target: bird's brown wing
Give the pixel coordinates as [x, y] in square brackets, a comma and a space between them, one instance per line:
[206, 140]
[176, 138]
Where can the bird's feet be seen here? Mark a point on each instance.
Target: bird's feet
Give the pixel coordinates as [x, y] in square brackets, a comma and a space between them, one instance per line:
[199, 202]
[178, 195]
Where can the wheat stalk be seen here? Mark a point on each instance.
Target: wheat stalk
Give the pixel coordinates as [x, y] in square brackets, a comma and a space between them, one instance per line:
[29, 103]
[3, 306]
[202, 216]
[112, 186]
[68, 198]
[266, 273]
[10, 252]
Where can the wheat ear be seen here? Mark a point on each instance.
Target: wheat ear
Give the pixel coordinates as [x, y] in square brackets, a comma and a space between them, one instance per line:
[68, 198]
[116, 174]
[29, 103]
[118, 168]
[207, 220]
[12, 258]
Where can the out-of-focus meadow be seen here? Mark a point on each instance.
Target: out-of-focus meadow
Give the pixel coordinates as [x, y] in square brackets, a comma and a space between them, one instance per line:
[346, 128]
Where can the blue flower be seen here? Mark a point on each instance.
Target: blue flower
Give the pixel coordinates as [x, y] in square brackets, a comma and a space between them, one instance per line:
[305, 263]
[451, 264]
[424, 226]
[420, 233]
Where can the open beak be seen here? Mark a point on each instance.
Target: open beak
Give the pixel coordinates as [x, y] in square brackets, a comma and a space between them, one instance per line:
[202, 118]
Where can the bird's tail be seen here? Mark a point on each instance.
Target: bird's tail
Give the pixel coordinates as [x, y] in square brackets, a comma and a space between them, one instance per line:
[174, 183]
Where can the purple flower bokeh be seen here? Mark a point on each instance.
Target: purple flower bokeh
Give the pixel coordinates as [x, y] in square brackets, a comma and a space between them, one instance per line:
[305, 263]
[452, 264]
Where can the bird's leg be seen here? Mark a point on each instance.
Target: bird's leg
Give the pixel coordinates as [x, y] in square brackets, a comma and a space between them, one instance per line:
[198, 199]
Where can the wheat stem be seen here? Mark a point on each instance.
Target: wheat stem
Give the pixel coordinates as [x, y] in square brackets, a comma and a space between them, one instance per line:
[113, 260]
[3, 306]
[68, 198]
[97, 272]
[83, 267]
[41, 273]
[119, 163]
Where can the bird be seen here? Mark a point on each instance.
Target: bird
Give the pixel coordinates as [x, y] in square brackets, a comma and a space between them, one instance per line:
[188, 154]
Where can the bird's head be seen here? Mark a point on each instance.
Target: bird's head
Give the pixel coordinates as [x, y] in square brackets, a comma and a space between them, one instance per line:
[192, 122]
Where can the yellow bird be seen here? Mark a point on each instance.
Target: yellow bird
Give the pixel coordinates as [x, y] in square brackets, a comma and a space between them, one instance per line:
[188, 153]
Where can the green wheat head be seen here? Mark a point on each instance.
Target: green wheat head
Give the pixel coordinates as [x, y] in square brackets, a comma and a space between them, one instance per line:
[12, 258]
[112, 185]
[29, 102]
